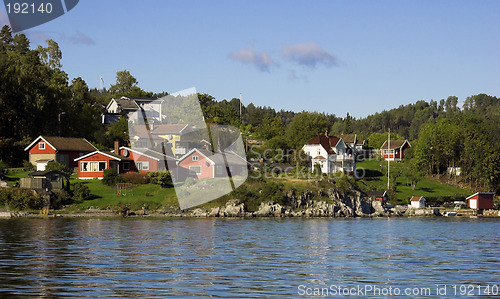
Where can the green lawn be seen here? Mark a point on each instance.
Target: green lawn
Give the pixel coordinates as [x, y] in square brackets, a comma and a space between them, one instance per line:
[13, 175]
[427, 187]
[148, 195]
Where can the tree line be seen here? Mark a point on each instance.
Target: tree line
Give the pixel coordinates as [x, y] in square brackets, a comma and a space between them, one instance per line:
[36, 98]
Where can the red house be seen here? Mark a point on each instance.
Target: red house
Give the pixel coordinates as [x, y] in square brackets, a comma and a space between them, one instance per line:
[481, 200]
[61, 149]
[93, 164]
[146, 160]
[396, 150]
[201, 163]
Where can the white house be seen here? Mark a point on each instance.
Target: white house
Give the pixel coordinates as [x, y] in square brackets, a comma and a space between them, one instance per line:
[151, 107]
[417, 202]
[331, 153]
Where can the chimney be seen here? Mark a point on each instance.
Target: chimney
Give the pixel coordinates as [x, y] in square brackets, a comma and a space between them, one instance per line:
[117, 148]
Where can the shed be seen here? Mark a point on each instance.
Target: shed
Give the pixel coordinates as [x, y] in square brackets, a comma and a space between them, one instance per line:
[417, 202]
[481, 200]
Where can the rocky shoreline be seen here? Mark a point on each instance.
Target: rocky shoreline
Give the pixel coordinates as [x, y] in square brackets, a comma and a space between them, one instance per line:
[331, 204]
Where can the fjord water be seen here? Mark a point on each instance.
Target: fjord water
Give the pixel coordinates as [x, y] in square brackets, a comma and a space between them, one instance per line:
[241, 257]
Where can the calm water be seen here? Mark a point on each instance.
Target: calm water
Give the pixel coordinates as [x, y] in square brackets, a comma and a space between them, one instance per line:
[243, 257]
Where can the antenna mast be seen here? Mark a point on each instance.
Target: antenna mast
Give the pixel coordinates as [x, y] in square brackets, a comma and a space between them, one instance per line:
[389, 160]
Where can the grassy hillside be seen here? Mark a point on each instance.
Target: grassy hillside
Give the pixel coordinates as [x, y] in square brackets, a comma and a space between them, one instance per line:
[427, 187]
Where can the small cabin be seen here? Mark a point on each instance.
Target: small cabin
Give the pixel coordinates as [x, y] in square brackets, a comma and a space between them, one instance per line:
[481, 200]
[417, 202]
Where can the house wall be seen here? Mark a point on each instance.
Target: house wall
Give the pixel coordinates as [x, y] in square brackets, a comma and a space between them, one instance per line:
[97, 174]
[153, 164]
[207, 171]
[482, 202]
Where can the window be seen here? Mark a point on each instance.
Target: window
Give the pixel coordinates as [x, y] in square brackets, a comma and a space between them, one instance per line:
[143, 165]
[41, 145]
[195, 158]
[126, 165]
[319, 152]
[194, 169]
[92, 166]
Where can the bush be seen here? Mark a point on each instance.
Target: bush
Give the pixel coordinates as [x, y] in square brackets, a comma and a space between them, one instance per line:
[163, 179]
[81, 192]
[111, 177]
[21, 199]
[27, 166]
[135, 178]
[59, 198]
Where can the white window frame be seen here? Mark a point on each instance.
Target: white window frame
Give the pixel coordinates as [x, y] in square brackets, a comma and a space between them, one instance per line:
[195, 158]
[191, 171]
[41, 145]
[143, 165]
[93, 166]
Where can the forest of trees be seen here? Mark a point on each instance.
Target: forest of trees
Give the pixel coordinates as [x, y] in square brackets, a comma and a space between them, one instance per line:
[36, 97]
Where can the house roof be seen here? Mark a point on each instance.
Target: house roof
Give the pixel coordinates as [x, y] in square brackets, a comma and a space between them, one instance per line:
[327, 142]
[169, 129]
[218, 157]
[146, 152]
[481, 193]
[349, 138]
[416, 198]
[376, 193]
[44, 173]
[110, 155]
[395, 144]
[64, 143]
[319, 158]
[126, 103]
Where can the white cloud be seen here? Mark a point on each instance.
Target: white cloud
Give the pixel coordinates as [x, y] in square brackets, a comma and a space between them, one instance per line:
[262, 60]
[308, 54]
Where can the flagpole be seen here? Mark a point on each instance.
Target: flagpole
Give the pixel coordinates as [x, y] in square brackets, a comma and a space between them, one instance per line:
[388, 160]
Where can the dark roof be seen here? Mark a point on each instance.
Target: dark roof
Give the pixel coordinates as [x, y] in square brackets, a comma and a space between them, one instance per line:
[349, 138]
[143, 100]
[168, 129]
[327, 142]
[125, 103]
[395, 144]
[66, 143]
[44, 173]
[375, 193]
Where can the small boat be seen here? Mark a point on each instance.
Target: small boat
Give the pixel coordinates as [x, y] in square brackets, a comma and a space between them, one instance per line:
[450, 214]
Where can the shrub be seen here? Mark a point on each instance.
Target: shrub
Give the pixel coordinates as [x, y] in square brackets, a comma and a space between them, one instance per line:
[21, 199]
[111, 177]
[81, 192]
[163, 179]
[59, 198]
[135, 178]
[27, 166]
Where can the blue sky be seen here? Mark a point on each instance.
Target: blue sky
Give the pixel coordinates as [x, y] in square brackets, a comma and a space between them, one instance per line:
[359, 57]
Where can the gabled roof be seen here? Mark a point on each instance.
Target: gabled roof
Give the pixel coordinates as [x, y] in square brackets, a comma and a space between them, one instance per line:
[416, 198]
[217, 157]
[395, 144]
[169, 129]
[349, 138]
[64, 144]
[149, 153]
[110, 155]
[481, 193]
[376, 193]
[327, 142]
[319, 158]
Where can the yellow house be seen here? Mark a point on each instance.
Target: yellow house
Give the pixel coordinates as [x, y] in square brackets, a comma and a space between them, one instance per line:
[180, 137]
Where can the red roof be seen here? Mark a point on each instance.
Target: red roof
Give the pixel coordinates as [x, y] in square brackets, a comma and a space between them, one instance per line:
[415, 198]
[327, 142]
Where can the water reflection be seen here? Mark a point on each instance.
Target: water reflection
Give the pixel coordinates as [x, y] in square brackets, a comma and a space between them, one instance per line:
[240, 257]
